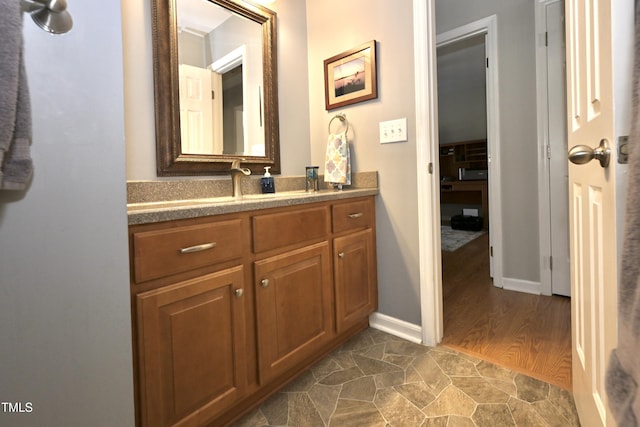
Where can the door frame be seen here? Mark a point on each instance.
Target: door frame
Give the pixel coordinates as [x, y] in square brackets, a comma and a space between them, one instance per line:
[546, 237]
[427, 155]
[489, 28]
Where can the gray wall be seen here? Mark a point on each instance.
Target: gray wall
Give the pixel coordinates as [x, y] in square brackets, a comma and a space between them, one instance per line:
[462, 101]
[335, 26]
[191, 50]
[64, 298]
[518, 131]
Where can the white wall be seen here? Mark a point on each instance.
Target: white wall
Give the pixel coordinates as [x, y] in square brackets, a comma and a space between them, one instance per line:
[518, 133]
[64, 275]
[293, 89]
[335, 26]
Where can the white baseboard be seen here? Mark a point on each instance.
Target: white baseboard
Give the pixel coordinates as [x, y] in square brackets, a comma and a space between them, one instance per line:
[521, 286]
[397, 327]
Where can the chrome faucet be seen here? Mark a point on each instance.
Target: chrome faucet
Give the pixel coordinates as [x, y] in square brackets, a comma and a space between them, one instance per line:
[236, 177]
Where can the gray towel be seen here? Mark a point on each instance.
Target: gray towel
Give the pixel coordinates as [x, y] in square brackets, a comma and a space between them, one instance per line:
[16, 166]
[623, 372]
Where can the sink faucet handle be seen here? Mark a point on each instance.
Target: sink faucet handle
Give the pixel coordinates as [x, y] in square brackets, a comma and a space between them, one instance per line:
[235, 163]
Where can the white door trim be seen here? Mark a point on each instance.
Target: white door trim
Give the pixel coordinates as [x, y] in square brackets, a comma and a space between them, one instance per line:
[544, 206]
[547, 243]
[428, 184]
[427, 154]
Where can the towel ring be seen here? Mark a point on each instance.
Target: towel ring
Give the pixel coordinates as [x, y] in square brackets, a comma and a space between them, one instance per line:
[343, 119]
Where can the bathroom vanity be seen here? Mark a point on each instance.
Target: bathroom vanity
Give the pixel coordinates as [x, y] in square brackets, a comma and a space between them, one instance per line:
[233, 299]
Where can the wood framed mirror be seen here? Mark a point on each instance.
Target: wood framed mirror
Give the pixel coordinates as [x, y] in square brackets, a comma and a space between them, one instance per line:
[232, 49]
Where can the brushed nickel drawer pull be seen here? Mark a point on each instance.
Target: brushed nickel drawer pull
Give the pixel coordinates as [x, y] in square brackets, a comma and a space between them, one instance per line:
[198, 248]
[355, 215]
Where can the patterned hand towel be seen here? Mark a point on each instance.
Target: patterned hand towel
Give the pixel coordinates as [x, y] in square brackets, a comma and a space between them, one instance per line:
[337, 164]
[15, 110]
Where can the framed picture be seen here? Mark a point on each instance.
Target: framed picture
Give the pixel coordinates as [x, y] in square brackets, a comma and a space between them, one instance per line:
[350, 77]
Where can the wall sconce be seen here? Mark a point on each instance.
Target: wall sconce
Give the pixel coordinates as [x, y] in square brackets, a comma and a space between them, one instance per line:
[50, 15]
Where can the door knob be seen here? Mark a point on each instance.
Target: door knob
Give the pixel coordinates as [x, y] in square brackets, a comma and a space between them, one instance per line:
[581, 154]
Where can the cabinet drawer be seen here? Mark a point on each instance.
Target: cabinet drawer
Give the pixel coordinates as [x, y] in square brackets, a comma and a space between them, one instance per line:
[352, 215]
[165, 252]
[282, 229]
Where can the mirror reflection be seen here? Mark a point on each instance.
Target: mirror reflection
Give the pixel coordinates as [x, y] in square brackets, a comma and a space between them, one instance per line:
[220, 81]
[216, 86]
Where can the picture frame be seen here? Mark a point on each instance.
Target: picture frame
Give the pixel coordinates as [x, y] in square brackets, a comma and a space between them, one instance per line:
[351, 77]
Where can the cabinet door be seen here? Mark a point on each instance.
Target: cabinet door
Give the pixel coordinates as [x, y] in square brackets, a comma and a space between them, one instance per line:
[355, 278]
[191, 343]
[294, 308]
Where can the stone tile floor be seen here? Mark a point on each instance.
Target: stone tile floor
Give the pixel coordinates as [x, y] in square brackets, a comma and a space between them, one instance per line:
[377, 379]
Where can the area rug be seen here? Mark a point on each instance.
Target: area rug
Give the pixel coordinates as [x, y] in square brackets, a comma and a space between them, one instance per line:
[455, 239]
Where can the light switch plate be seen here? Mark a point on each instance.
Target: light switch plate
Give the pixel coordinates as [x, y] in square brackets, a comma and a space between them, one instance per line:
[393, 131]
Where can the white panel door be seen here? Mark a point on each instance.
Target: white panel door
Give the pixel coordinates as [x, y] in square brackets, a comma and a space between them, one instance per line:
[592, 205]
[196, 110]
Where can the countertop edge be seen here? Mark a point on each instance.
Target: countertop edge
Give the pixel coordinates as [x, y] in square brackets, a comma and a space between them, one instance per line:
[209, 209]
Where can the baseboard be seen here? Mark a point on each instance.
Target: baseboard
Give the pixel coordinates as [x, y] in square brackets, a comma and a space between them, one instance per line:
[397, 327]
[521, 286]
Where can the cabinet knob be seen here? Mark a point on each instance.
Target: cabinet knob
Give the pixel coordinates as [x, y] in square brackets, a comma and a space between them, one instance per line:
[341, 255]
[239, 292]
[264, 283]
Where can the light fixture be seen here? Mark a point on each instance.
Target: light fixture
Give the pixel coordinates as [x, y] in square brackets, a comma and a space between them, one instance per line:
[50, 15]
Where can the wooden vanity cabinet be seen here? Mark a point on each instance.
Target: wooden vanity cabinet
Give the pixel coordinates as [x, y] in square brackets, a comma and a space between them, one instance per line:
[354, 262]
[191, 340]
[294, 294]
[253, 301]
[189, 309]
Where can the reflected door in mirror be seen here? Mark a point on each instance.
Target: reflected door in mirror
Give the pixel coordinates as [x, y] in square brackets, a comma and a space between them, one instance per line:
[213, 40]
[215, 81]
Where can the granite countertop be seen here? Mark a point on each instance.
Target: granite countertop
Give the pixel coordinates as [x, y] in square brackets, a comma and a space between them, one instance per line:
[143, 207]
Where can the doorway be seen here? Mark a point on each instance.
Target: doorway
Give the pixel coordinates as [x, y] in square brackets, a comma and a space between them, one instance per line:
[462, 125]
[469, 129]
[478, 318]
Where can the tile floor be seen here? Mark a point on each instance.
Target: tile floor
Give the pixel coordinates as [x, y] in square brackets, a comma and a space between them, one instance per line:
[377, 379]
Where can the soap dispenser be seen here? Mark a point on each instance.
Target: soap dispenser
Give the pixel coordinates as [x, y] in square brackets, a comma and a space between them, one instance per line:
[267, 181]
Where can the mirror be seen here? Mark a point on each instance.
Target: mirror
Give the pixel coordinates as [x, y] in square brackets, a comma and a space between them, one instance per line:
[215, 82]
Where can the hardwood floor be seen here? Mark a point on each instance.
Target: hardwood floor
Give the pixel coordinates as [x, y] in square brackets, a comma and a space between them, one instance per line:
[527, 333]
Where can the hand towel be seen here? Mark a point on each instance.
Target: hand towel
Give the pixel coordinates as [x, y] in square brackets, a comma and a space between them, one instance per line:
[337, 162]
[623, 372]
[16, 166]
